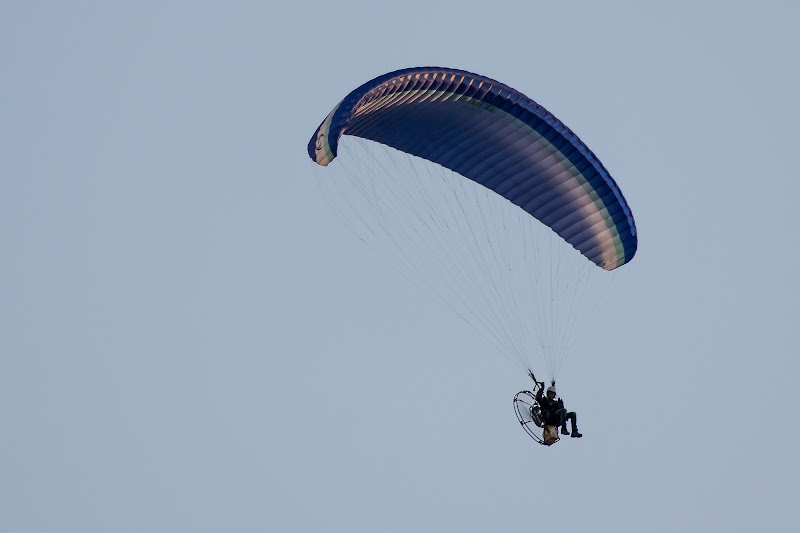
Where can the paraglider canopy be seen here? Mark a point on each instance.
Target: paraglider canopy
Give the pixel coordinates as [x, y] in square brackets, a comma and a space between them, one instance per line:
[497, 137]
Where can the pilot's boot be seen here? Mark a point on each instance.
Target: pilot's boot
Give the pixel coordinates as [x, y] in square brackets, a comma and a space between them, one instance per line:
[575, 433]
[564, 430]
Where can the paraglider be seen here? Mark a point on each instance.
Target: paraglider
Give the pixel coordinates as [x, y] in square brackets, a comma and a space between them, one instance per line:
[534, 410]
[501, 176]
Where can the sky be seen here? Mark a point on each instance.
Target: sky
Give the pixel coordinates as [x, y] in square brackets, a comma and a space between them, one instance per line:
[190, 340]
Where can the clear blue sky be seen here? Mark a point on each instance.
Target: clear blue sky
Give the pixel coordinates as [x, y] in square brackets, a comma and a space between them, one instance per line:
[190, 341]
